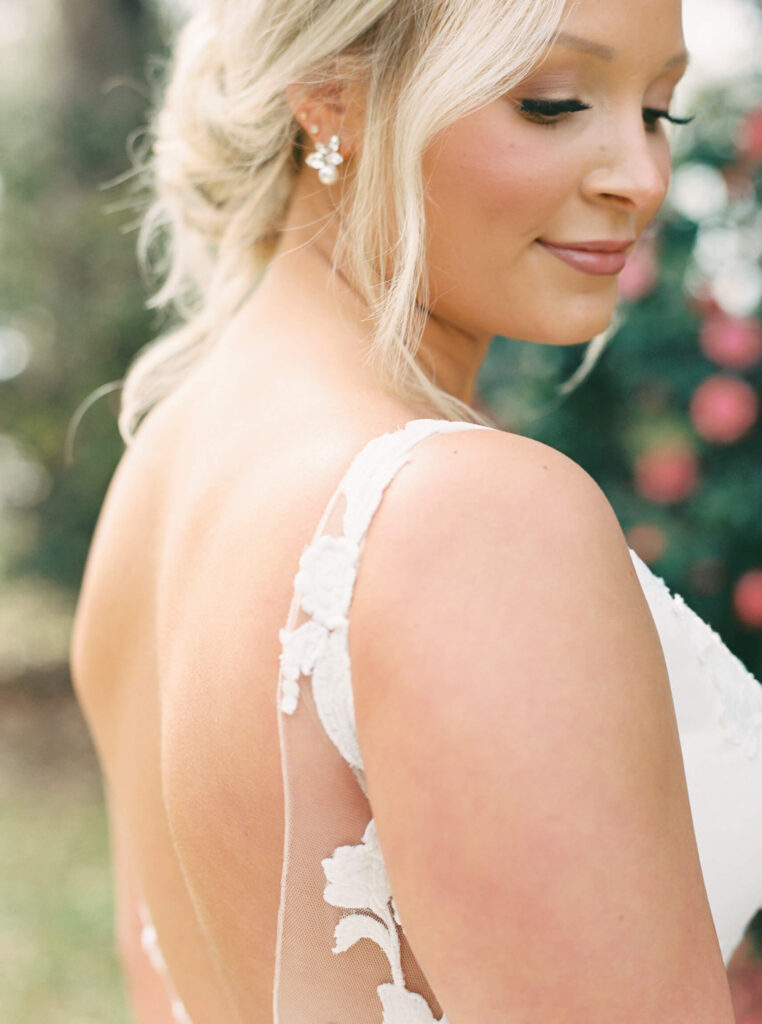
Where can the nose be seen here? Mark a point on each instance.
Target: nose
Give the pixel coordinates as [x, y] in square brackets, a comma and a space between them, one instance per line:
[630, 168]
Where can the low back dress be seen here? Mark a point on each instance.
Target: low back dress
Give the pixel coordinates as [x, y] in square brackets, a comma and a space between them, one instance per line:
[342, 954]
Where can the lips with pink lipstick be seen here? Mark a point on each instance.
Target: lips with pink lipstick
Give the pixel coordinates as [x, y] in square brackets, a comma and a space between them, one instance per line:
[603, 256]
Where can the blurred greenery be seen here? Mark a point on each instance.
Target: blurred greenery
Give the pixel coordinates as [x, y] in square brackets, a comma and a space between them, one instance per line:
[68, 277]
[56, 903]
[72, 296]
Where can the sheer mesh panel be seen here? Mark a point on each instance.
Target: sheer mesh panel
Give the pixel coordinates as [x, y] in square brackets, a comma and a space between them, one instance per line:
[342, 955]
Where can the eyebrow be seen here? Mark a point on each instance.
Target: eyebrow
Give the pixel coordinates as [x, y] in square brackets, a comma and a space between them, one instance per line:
[606, 52]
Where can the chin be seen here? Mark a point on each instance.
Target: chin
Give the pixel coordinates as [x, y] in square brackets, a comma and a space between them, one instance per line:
[576, 325]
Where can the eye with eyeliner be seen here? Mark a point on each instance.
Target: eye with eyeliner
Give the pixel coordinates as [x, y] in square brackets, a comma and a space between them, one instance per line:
[547, 111]
[652, 114]
[544, 111]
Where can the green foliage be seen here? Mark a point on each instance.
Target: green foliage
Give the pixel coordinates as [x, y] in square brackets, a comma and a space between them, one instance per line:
[70, 283]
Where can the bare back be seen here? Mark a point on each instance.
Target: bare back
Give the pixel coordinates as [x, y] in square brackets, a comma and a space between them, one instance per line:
[191, 570]
[176, 654]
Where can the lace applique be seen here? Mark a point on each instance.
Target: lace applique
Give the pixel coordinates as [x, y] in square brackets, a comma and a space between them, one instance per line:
[356, 877]
[739, 695]
[300, 650]
[326, 578]
[319, 647]
[332, 690]
[357, 880]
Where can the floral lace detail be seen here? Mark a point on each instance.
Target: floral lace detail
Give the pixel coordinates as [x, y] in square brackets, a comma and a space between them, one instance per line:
[356, 876]
[357, 880]
[326, 578]
[324, 582]
[738, 693]
[404, 1007]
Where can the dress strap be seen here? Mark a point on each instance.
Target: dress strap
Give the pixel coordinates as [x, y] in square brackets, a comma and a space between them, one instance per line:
[324, 585]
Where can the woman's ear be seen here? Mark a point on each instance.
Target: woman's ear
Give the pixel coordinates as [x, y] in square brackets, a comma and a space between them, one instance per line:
[334, 107]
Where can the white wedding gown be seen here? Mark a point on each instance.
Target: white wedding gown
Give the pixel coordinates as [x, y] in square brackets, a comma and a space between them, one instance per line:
[335, 892]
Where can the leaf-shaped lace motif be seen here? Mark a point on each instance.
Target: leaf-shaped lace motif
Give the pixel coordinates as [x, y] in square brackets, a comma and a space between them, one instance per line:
[354, 927]
[404, 1007]
[357, 880]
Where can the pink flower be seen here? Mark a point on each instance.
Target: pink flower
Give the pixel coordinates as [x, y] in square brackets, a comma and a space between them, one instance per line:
[747, 598]
[750, 136]
[647, 540]
[667, 472]
[724, 409]
[731, 341]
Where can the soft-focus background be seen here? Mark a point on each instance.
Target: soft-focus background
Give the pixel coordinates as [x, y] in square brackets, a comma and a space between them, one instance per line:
[668, 422]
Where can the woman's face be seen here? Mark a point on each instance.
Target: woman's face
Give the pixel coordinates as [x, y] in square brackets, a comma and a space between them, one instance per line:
[577, 154]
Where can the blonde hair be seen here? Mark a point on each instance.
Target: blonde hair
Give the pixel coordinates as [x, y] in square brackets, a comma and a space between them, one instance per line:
[227, 149]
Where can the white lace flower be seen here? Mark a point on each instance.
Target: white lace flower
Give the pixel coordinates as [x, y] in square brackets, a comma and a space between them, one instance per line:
[356, 876]
[326, 577]
[300, 649]
[404, 1007]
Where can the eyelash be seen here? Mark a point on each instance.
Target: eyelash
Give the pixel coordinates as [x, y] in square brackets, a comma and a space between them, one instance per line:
[545, 112]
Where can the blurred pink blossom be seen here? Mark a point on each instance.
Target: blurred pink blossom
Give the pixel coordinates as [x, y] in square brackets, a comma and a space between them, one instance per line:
[747, 603]
[667, 472]
[731, 341]
[750, 136]
[724, 408]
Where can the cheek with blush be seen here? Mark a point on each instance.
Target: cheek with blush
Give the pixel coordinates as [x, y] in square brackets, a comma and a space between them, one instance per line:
[491, 189]
[494, 184]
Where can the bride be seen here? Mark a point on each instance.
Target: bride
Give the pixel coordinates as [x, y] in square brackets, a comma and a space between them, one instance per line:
[528, 800]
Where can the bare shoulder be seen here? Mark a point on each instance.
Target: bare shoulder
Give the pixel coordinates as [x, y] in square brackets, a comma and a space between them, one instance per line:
[489, 516]
[521, 751]
[494, 556]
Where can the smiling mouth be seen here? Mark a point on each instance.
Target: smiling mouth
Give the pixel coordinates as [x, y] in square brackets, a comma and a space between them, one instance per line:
[599, 258]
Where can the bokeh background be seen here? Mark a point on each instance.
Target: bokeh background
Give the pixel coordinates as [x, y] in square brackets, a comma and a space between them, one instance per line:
[668, 422]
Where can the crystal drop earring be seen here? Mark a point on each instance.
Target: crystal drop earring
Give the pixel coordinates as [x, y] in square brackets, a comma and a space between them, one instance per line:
[325, 160]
